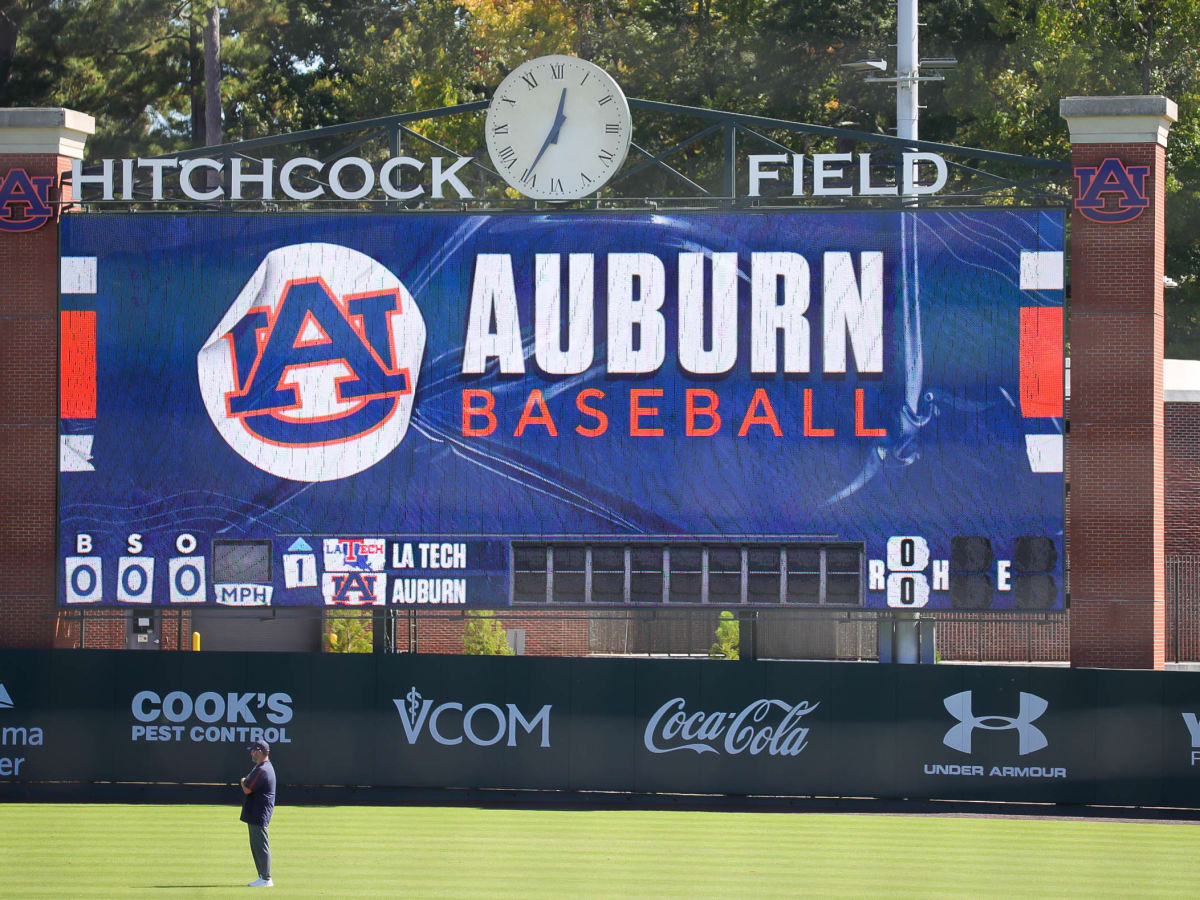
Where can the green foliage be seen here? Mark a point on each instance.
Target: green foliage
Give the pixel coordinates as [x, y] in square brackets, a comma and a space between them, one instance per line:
[137, 65]
[346, 632]
[1005, 96]
[483, 635]
[728, 637]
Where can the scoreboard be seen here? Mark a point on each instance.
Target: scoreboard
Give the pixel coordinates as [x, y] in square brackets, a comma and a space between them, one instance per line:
[842, 409]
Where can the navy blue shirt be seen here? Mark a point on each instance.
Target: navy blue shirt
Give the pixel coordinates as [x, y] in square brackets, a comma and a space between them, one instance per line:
[258, 805]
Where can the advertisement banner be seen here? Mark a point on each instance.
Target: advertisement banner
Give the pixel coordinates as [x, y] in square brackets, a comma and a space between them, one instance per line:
[809, 408]
[646, 726]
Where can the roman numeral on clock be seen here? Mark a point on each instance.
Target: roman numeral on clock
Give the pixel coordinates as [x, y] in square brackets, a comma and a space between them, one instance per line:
[528, 178]
[586, 180]
[606, 156]
[607, 98]
[556, 185]
[508, 155]
[611, 128]
[557, 70]
[529, 79]
[500, 129]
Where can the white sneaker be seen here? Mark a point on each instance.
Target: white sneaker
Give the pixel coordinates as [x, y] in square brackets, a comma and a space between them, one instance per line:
[261, 882]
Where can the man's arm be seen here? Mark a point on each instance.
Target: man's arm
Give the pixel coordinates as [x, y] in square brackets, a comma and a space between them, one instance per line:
[249, 788]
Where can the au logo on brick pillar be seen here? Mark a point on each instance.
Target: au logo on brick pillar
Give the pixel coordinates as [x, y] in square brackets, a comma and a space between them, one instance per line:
[310, 374]
[1111, 177]
[24, 201]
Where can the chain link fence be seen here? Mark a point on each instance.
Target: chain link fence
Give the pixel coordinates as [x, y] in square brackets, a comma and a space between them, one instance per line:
[1183, 609]
[819, 634]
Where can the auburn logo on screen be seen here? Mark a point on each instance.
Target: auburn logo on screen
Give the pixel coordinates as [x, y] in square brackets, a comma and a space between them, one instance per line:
[1112, 178]
[25, 201]
[311, 372]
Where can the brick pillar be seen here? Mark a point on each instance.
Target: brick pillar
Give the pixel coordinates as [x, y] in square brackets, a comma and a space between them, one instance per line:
[1118, 147]
[36, 147]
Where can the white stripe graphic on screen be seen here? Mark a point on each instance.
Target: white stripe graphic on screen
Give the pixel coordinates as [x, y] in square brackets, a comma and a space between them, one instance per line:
[77, 275]
[5, 700]
[1041, 270]
[75, 453]
[1045, 452]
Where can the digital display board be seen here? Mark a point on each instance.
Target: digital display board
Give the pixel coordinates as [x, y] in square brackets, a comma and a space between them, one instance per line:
[835, 409]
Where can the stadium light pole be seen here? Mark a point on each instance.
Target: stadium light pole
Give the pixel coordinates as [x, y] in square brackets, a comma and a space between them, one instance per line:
[905, 644]
[909, 68]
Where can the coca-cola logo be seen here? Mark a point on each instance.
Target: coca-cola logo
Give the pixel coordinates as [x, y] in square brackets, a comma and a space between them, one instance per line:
[767, 726]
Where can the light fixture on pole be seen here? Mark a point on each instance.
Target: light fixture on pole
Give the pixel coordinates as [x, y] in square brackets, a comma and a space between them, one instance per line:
[866, 66]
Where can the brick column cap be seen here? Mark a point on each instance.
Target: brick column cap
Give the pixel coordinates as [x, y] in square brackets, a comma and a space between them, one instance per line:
[51, 130]
[1140, 119]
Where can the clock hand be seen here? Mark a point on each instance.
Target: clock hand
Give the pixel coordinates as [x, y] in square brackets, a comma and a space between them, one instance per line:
[552, 137]
[559, 118]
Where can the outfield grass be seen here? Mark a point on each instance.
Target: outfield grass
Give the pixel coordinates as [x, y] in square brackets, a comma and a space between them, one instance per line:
[64, 850]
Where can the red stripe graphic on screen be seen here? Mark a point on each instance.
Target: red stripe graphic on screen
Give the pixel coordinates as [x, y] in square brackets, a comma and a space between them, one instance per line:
[1041, 358]
[77, 357]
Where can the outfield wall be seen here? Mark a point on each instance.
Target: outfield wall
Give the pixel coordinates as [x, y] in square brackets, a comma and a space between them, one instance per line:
[823, 729]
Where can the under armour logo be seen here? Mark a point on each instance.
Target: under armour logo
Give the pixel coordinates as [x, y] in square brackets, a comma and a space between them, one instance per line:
[1030, 737]
[1126, 183]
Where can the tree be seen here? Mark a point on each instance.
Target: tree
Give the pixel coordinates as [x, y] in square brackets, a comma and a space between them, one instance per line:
[484, 635]
[138, 66]
[1006, 98]
[346, 632]
[212, 76]
[14, 16]
[728, 637]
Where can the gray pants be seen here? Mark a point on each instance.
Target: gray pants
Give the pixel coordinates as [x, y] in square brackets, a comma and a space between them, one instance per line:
[260, 849]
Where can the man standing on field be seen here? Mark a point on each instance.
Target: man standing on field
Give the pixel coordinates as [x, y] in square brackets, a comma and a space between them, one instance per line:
[257, 806]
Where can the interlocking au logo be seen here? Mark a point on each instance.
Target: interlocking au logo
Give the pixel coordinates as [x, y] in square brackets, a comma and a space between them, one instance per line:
[310, 374]
[25, 201]
[1029, 736]
[1111, 178]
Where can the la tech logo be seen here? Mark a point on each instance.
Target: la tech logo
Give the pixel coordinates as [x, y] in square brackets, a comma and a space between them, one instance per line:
[1111, 178]
[25, 201]
[311, 372]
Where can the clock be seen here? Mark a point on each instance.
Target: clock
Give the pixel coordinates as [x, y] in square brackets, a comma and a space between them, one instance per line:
[558, 128]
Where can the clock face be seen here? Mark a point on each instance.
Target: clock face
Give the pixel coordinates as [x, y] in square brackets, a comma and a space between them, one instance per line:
[558, 128]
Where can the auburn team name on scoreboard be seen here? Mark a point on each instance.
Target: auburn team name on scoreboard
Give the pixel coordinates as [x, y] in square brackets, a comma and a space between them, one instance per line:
[706, 338]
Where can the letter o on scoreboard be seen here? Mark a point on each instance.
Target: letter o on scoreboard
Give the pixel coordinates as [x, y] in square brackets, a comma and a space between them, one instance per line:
[83, 579]
[907, 590]
[135, 579]
[185, 578]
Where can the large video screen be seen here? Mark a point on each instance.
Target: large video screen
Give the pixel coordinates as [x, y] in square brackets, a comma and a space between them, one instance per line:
[435, 410]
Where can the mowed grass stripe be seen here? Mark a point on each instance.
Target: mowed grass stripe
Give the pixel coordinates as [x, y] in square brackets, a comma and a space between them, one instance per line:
[64, 850]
